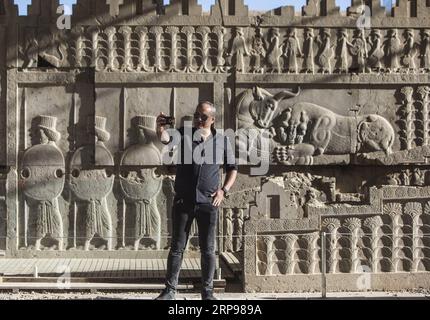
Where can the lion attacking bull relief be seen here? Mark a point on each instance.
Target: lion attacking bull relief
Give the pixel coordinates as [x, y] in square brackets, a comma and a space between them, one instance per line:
[303, 130]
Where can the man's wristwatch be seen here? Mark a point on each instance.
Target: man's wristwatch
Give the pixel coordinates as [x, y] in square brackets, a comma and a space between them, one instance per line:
[225, 191]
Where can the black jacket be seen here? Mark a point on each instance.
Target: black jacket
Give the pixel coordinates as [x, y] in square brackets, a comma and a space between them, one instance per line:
[198, 177]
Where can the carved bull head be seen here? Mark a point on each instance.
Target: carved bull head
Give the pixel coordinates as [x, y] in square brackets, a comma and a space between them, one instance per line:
[375, 133]
[264, 107]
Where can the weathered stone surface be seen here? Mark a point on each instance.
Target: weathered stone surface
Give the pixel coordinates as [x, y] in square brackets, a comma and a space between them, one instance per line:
[345, 110]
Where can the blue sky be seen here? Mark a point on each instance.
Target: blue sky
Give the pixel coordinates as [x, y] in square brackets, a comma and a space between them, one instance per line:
[253, 4]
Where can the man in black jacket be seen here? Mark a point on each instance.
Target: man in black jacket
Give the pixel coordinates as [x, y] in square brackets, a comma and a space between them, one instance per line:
[198, 193]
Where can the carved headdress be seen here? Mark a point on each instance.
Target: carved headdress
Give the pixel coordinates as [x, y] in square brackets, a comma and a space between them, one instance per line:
[326, 32]
[239, 31]
[275, 32]
[49, 125]
[100, 128]
[409, 32]
[309, 32]
[145, 122]
[376, 33]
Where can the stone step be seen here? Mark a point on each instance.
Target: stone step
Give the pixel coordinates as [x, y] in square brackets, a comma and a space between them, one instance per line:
[233, 261]
[96, 268]
[92, 287]
[105, 274]
[45, 284]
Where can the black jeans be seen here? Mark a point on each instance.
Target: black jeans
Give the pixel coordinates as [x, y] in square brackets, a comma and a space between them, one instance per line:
[183, 215]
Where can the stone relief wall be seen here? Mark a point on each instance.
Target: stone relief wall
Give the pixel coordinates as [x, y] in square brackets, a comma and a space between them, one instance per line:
[107, 190]
[340, 127]
[346, 111]
[217, 49]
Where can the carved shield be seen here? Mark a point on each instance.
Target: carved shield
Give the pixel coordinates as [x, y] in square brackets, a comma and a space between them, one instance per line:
[407, 60]
[87, 182]
[323, 60]
[141, 155]
[140, 183]
[358, 47]
[42, 172]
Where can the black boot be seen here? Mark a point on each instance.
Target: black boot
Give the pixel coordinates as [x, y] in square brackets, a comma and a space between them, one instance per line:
[167, 294]
[208, 295]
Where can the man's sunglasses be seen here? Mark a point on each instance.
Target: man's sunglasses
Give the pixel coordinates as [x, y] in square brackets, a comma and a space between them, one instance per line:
[201, 117]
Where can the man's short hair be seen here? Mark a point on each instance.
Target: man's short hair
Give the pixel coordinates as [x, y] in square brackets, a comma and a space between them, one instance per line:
[207, 103]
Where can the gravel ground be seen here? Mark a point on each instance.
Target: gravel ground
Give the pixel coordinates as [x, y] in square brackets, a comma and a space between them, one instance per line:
[418, 294]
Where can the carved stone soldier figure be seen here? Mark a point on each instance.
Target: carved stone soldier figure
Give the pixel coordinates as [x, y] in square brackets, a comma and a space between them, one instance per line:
[92, 186]
[274, 52]
[258, 52]
[408, 59]
[359, 51]
[391, 47]
[42, 175]
[342, 51]
[425, 50]
[140, 185]
[238, 51]
[228, 231]
[418, 177]
[376, 54]
[292, 51]
[326, 51]
[237, 230]
[404, 177]
[308, 51]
